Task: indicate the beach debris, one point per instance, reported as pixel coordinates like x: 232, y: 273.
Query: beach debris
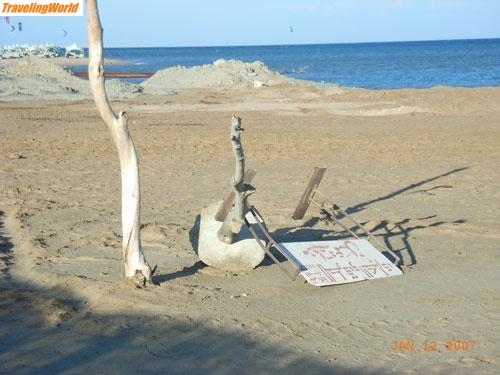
x: 258, y: 84
x: 134, y: 260
x: 236, y: 296
x: 338, y: 262
x: 258, y: 229
x: 234, y: 220
x: 230, y: 246
x: 73, y: 51
x: 324, y: 263
x: 242, y: 255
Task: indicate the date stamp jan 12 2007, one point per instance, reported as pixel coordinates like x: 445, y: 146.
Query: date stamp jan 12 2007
x: 431, y: 346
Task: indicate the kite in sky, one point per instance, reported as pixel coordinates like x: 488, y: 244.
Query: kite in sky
x: 12, y: 27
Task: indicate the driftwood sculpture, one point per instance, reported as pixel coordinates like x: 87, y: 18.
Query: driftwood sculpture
x: 235, y: 219
x: 224, y: 241
x: 133, y: 256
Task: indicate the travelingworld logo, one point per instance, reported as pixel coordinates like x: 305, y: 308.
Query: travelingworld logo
x: 41, y: 8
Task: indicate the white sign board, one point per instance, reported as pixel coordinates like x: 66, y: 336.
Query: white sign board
x: 340, y: 262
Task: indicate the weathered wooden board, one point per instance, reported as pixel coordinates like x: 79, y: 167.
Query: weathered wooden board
x: 313, y: 184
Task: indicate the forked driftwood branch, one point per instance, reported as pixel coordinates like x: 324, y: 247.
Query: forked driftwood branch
x: 235, y: 219
x: 133, y: 256
x: 230, y: 198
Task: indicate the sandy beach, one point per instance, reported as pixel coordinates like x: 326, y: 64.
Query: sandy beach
x: 419, y: 167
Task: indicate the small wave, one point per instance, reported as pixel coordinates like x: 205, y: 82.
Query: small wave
x: 139, y: 63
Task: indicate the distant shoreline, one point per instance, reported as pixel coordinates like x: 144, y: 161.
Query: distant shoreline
x: 64, y: 61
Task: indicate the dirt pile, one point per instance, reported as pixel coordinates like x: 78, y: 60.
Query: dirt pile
x: 38, y: 78
x: 221, y: 73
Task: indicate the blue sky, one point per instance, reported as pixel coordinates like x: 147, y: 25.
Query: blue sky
x: 231, y: 22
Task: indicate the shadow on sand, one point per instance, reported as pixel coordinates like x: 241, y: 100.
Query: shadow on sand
x: 391, y: 233
x: 79, y: 341
x: 5, y: 249
x: 50, y: 331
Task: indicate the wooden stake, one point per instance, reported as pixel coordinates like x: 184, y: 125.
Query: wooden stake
x: 312, y: 185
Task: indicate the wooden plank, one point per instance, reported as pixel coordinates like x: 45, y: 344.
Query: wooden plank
x: 229, y: 200
x: 312, y: 185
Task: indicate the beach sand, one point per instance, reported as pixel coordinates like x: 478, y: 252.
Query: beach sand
x: 420, y: 167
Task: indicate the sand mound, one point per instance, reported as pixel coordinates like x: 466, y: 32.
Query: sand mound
x: 33, y: 66
x: 221, y: 73
x: 38, y: 78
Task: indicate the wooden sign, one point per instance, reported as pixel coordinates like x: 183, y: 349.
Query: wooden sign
x: 340, y: 262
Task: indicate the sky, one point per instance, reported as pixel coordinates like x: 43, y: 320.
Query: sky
x: 176, y: 23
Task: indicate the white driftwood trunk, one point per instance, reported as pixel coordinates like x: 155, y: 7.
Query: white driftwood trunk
x: 133, y: 256
x: 234, y: 220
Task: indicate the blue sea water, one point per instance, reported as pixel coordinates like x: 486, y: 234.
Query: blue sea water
x: 466, y: 63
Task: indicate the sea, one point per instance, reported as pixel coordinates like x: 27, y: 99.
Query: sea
x: 392, y: 65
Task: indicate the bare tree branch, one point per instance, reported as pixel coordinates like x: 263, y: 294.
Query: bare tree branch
x: 234, y: 221
x: 133, y: 256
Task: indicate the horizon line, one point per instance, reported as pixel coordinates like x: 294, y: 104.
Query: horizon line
x: 314, y: 44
